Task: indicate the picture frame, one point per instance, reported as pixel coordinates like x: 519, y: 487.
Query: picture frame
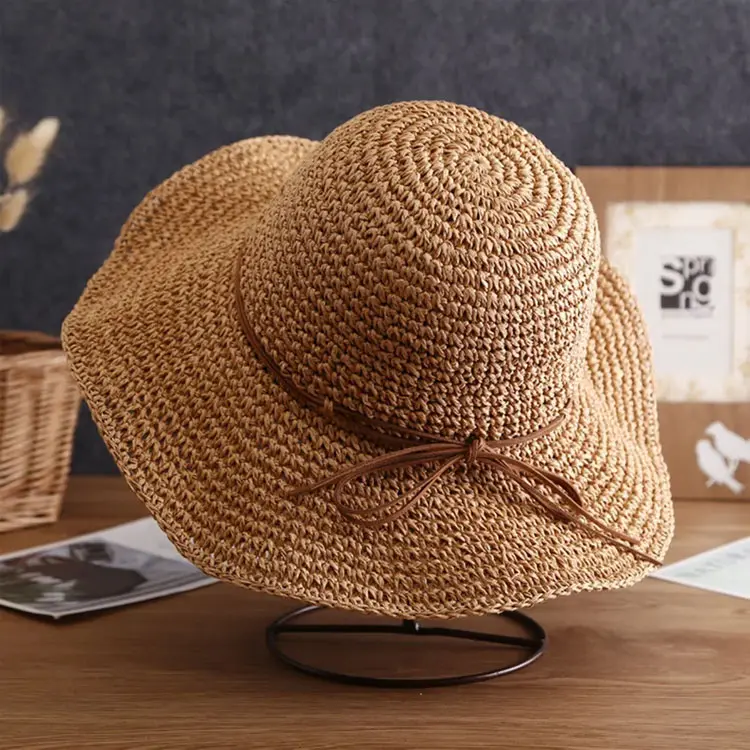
x: 681, y: 238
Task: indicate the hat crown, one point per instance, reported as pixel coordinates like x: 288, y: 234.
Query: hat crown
x: 430, y: 265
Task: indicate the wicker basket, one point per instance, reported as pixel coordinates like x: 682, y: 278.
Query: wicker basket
x: 39, y: 406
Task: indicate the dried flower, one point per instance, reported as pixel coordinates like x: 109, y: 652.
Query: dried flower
x: 23, y: 161
x: 12, y: 207
x: 43, y: 134
x: 28, y: 152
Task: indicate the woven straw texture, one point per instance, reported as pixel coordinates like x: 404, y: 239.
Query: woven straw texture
x: 427, y: 264
x: 39, y: 404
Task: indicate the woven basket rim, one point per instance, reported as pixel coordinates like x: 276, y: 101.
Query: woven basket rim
x: 23, y: 347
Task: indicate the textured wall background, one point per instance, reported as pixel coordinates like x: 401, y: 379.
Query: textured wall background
x: 143, y: 87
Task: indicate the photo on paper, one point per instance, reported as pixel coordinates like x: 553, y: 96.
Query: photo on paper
x: 122, y: 565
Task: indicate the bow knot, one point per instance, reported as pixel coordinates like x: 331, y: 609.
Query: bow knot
x: 474, y: 446
x: 539, y: 484
x: 550, y: 490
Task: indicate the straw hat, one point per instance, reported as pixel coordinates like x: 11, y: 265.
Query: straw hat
x: 386, y: 372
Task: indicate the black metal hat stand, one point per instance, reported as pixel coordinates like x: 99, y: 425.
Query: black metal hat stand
x: 531, y: 646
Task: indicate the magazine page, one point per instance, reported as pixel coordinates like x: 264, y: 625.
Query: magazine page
x: 110, y: 568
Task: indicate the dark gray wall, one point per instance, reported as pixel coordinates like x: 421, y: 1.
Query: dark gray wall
x: 143, y: 86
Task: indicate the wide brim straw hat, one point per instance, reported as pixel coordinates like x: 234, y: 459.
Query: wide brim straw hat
x: 387, y: 372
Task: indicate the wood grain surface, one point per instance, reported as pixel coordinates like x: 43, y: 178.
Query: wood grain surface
x: 653, y: 667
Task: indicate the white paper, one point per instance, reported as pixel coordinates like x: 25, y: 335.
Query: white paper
x: 121, y: 565
x: 725, y: 570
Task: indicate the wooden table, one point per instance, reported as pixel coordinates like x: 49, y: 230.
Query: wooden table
x: 657, y: 666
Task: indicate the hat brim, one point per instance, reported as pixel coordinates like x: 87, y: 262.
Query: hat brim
x: 209, y: 442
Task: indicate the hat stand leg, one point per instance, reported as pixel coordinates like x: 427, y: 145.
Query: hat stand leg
x: 532, y: 646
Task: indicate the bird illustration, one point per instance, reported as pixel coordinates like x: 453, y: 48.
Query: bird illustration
x: 713, y: 465
x: 731, y: 445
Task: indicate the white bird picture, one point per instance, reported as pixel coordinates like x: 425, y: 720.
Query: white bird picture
x: 715, y: 467
x: 731, y: 445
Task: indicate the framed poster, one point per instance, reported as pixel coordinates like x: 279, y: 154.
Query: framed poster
x: 689, y: 266
x: 681, y: 236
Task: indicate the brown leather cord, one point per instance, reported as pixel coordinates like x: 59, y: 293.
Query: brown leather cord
x: 411, y: 448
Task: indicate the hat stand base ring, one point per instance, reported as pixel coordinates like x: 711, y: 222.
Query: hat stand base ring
x: 532, y: 644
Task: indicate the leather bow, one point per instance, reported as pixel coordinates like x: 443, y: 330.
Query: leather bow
x: 415, y: 448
